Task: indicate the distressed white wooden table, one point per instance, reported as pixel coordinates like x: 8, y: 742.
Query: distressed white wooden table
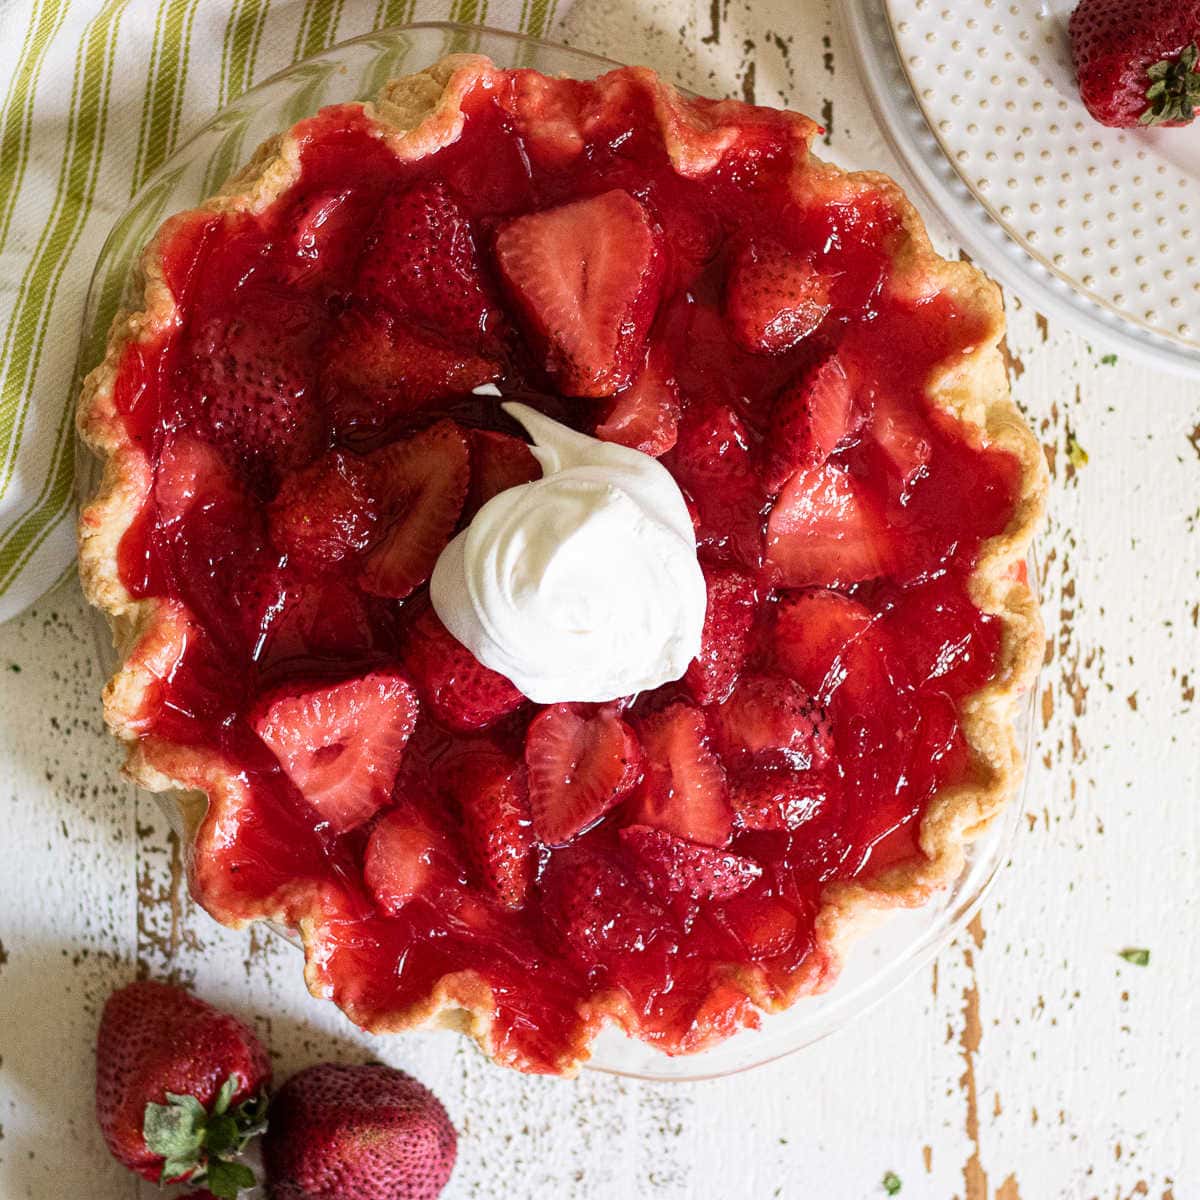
x: 1030, y: 1061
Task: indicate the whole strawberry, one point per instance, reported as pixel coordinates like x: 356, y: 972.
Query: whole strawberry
x: 179, y: 1087
x: 357, y: 1133
x: 1136, y: 60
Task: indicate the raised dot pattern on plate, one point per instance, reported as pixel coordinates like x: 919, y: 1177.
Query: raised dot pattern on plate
x: 1111, y: 212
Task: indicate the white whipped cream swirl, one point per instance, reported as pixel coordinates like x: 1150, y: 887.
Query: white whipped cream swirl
x: 583, y: 585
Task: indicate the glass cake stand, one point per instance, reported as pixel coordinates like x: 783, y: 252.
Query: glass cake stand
x: 881, y: 960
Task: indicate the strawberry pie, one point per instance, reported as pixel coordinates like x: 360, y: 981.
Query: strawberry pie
x: 566, y: 546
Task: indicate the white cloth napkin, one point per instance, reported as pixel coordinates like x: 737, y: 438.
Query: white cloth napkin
x: 96, y: 94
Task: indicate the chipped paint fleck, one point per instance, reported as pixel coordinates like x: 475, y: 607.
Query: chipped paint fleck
x: 1008, y: 1189
x: 1013, y: 363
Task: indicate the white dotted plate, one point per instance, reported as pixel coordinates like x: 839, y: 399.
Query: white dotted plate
x: 981, y: 103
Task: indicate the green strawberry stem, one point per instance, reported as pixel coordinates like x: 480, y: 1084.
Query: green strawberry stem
x: 1174, y: 91
x: 200, y: 1146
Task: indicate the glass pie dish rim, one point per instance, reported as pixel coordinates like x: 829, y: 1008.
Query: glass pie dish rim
x: 809, y: 1019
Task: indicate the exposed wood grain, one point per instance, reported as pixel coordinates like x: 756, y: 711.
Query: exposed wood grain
x: 1033, y: 1055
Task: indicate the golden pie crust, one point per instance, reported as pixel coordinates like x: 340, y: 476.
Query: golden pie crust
x: 415, y: 116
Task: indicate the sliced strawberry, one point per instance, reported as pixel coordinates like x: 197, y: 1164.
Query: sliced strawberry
x: 587, y: 278
x: 548, y: 115
x: 403, y: 859
x: 941, y: 635
x: 771, y: 718
x: 498, y: 462
x: 724, y: 1011
x: 809, y: 633
x: 715, y: 369
x: 693, y: 233
x: 764, y: 926
x: 419, y: 260
x: 713, y: 462
x: 379, y: 369
x: 213, y: 539
x: 454, y: 686
x: 254, y: 373
x: 420, y: 485
x: 827, y: 528
x: 325, y: 512
x: 192, y: 481
x: 668, y: 866
x: 713, y: 446
x: 767, y: 798
x: 683, y: 790
x: 774, y: 297
x: 293, y: 617
x: 493, y: 794
x: 869, y: 668
x: 645, y: 416
x: 940, y: 748
x: 904, y: 438
x: 811, y: 416
x: 871, y: 704
x: 732, y: 605
x: 598, y: 909
x: 341, y: 744
x: 579, y: 768
x: 323, y: 228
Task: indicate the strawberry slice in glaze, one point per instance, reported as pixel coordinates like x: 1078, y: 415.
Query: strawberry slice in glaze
x: 325, y: 512
x: 493, y: 794
x: 454, y: 685
x: 827, y: 528
x: 774, y: 297
x: 580, y: 767
x: 809, y: 419
x: 683, y: 790
x: 378, y: 369
x: 341, y: 744
x: 293, y: 616
x: 598, y: 909
x: 809, y: 635
x: 724, y: 641
x: 764, y: 926
x: 645, y: 416
x: 323, y: 230
x: 668, y: 866
x: 253, y: 374
x: 772, y: 798
x: 420, y: 485
x: 405, y: 858
x: 420, y: 261
x: 903, y: 438
x: 770, y: 718
x: 196, y: 489
x: 714, y: 463
x: 211, y: 533
x: 586, y: 278
x: 498, y: 462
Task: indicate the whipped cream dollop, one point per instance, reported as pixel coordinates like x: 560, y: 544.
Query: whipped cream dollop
x: 580, y: 586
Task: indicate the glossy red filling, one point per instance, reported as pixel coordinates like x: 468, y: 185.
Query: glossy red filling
x: 262, y: 622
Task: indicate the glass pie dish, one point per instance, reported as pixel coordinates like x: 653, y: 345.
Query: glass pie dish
x: 355, y: 70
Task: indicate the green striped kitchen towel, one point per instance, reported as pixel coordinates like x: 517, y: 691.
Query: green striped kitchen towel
x: 96, y: 94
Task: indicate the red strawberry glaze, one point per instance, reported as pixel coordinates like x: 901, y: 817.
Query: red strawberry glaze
x: 261, y: 621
